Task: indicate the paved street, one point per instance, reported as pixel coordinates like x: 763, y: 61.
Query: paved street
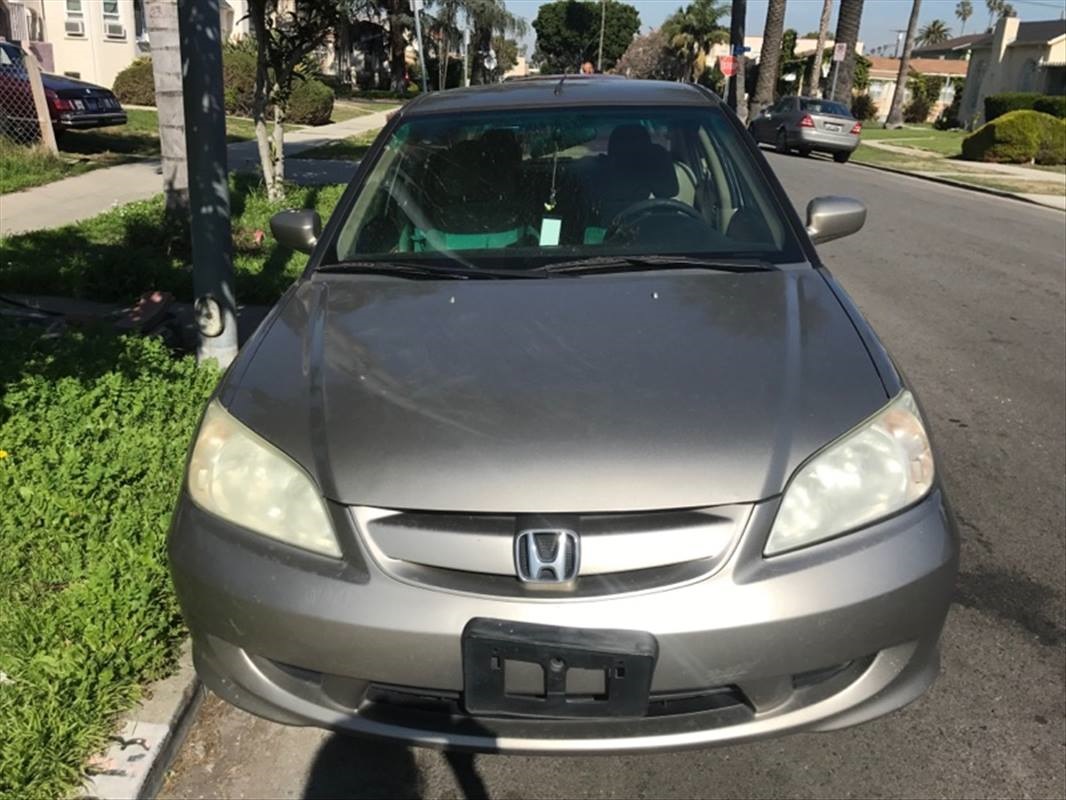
x: 968, y: 292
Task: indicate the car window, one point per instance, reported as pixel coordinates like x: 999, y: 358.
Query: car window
x: 782, y: 106
x: 520, y: 188
x: 10, y: 58
x: 824, y: 107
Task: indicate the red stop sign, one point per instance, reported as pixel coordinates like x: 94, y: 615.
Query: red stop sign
x: 728, y: 65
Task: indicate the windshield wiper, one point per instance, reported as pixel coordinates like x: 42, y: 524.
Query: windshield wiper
x: 605, y: 264
x: 415, y: 271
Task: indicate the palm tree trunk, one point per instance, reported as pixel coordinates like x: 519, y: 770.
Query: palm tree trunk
x: 847, y: 33
x: 814, y: 80
x: 397, y: 46
x: 768, y: 58
x: 162, y: 18
x: 895, y: 114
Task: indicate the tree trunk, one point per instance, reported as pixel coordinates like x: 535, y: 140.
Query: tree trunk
x: 267, y: 149
x: 397, y: 47
x: 162, y: 19
x: 278, y: 151
x: 848, y: 23
x: 814, y: 80
x: 895, y: 114
x: 769, y: 58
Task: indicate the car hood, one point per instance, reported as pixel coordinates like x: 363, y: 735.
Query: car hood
x: 607, y: 393
x: 61, y: 83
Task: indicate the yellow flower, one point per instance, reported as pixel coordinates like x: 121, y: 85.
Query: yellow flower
x: 3, y: 454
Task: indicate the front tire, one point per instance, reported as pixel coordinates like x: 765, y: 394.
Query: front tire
x: 841, y: 158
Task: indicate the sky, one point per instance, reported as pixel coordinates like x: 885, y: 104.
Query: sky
x: 879, y: 17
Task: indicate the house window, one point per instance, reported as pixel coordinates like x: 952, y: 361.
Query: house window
x: 74, y: 25
x: 113, y: 27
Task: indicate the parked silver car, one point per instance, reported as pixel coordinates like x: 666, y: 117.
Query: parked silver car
x: 565, y: 441
x: 808, y: 124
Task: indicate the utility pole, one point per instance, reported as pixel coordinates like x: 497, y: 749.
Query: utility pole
x: 603, y: 25
x: 466, y: 56
x: 735, y: 91
x: 205, y: 145
x: 416, y: 6
x: 899, y: 39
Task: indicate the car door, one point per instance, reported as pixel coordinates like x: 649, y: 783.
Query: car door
x: 761, y: 126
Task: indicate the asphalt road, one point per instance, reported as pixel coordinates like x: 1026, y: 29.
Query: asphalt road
x: 968, y: 292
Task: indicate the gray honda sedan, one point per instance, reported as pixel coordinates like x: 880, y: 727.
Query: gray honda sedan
x: 808, y: 124
x: 565, y: 441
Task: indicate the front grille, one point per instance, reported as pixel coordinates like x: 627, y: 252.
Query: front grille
x: 618, y: 552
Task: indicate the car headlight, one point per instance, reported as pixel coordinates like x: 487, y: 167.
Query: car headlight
x: 242, y: 478
x: 877, y: 469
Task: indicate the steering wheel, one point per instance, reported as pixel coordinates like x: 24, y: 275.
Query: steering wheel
x: 628, y: 217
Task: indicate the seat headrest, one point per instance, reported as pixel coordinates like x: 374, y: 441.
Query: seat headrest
x: 628, y: 142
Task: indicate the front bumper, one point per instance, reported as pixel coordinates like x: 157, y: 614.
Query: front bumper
x: 822, y: 638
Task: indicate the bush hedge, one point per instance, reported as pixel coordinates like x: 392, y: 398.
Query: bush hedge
x: 1018, y: 137
x: 311, y: 102
x: 996, y: 105
x: 863, y: 107
x: 135, y: 84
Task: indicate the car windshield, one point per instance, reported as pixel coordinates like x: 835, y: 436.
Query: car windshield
x: 824, y: 107
x: 523, y: 189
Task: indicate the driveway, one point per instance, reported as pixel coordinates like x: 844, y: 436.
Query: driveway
x: 968, y: 292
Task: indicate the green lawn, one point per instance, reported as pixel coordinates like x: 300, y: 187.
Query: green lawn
x: 348, y: 109
x: 351, y: 149
x: 81, y: 151
x: 131, y: 249
x: 93, y: 431
x: 919, y: 137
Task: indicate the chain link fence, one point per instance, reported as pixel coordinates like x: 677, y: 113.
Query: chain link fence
x: 24, y: 115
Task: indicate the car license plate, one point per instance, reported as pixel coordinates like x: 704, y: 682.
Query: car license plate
x: 527, y: 670
x: 830, y: 126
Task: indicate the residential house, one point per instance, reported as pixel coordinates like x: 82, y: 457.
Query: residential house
x: 1016, y: 57
x: 885, y: 71
x: 93, y: 40
x: 957, y: 49
x: 804, y: 47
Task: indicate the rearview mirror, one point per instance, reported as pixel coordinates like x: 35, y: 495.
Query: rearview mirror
x: 297, y: 229
x: 831, y: 218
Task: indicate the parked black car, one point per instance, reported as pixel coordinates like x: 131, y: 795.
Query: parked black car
x: 72, y: 104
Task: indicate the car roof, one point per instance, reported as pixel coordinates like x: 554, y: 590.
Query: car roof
x: 556, y: 91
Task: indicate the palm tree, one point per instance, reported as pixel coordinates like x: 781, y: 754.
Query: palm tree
x: 815, y: 78
x: 162, y: 16
x: 488, y: 18
x: 963, y: 10
x: 848, y: 21
x: 934, y: 32
x: 995, y: 8
x: 895, y: 114
x: 691, y: 31
x: 768, y: 58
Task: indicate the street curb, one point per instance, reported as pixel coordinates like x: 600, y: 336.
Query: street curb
x: 148, y: 738
x: 957, y: 184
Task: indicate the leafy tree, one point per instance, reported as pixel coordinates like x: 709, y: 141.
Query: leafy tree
x: 998, y: 9
x: 964, y: 10
x: 769, y: 58
x: 506, y: 53
x: 284, y: 38
x: 650, y: 57
x: 933, y: 32
x: 568, y: 33
x: 692, y: 31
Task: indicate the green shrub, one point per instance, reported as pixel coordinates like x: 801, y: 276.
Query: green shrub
x: 924, y: 89
x: 311, y: 102
x: 135, y: 85
x: 93, y: 432
x: 863, y: 107
x: 1052, y: 151
x: 996, y: 105
x: 1017, y: 137
x: 1051, y: 104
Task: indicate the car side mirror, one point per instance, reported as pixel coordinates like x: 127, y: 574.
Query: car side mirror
x: 297, y: 229
x: 830, y: 218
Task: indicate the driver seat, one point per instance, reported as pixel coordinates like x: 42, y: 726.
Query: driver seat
x: 634, y: 169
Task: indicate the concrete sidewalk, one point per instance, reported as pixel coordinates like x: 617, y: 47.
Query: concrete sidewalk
x: 977, y: 167
x: 73, y: 199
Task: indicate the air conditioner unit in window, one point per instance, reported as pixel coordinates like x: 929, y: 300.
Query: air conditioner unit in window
x: 114, y: 30
x: 74, y: 27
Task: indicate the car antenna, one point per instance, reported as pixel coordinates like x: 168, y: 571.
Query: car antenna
x: 559, y: 85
